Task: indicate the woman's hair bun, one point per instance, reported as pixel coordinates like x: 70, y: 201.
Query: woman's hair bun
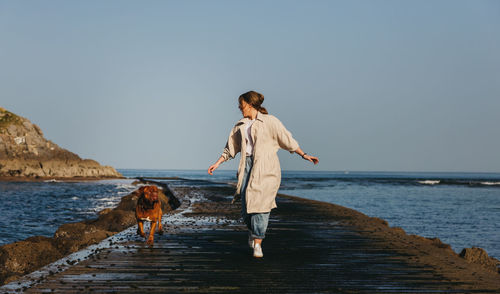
x: 255, y: 99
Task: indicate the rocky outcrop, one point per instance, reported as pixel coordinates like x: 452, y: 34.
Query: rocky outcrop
x: 479, y: 256
x: 24, y: 152
x: 26, y: 256
x: 23, y: 257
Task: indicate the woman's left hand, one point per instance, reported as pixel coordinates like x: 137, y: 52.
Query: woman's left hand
x: 312, y: 159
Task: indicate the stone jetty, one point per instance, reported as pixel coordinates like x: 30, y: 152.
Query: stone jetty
x: 311, y: 247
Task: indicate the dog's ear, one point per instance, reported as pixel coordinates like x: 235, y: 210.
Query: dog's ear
x: 141, y: 191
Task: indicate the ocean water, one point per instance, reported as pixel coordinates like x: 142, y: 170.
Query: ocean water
x: 462, y: 209
x: 39, y: 208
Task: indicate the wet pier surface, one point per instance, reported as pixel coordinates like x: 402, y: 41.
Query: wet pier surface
x: 204, y: 250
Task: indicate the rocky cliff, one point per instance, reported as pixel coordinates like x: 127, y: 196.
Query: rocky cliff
x: 24, y: 152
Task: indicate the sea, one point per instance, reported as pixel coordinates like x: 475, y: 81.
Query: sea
x: 461, y: 209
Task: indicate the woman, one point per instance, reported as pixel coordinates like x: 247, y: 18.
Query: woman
x: 258, y: 136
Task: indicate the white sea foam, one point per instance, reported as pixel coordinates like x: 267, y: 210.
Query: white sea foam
x: 490, y: 183
x: 51, y: 181
x: 108, y: 199
x: 430, y: 182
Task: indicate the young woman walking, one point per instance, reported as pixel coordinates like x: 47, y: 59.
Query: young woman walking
x: 258, y: 136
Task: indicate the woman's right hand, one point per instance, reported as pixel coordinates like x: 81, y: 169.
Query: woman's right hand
x: 312, y: 159
x: 212, y: 168
x: 215, y: 165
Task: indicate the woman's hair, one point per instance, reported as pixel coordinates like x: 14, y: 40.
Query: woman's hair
x: 254, y: 99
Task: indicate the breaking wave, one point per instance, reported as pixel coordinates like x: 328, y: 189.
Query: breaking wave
x: 490, y: 183
x: 430, y: 182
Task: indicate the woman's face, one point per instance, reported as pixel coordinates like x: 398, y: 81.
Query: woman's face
x: 245, y: 109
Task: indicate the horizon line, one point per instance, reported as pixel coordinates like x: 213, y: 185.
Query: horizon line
x: 332, y: 171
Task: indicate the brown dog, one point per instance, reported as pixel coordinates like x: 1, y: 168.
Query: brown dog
x: 148, y: 208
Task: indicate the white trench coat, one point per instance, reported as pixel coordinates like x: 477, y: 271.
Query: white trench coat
x: 268, y: 134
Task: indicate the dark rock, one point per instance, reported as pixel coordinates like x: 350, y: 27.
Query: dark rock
x: 25, y: 256
x: 438, y: 243
x: 398, y: 230
x: 9, y: 279
x: 479, y: 256
x: 115, y: 221
x: 72, y: 237
x: 379, y: 221
x: 128, y: 202
x: 105, y: 211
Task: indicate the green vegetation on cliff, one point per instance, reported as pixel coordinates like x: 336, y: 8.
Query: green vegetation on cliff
x: 7, y: 118
x: 24, y: 152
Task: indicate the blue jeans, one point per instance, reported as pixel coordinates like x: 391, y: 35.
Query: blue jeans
x: 256, y: 222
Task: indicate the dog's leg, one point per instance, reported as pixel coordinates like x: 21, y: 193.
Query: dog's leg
x: 151, y: 234
x: 140, y: 229
x: 160, y: 226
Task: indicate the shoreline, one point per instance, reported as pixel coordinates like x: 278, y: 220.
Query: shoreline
x: 412, y: 249
x: 58, y: 179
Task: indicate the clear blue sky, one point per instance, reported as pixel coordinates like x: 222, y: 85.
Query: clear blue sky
x: 364, y: 85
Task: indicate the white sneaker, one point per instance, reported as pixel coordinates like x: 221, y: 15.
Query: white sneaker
x: 250, y: 240
x: 257, y: 251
